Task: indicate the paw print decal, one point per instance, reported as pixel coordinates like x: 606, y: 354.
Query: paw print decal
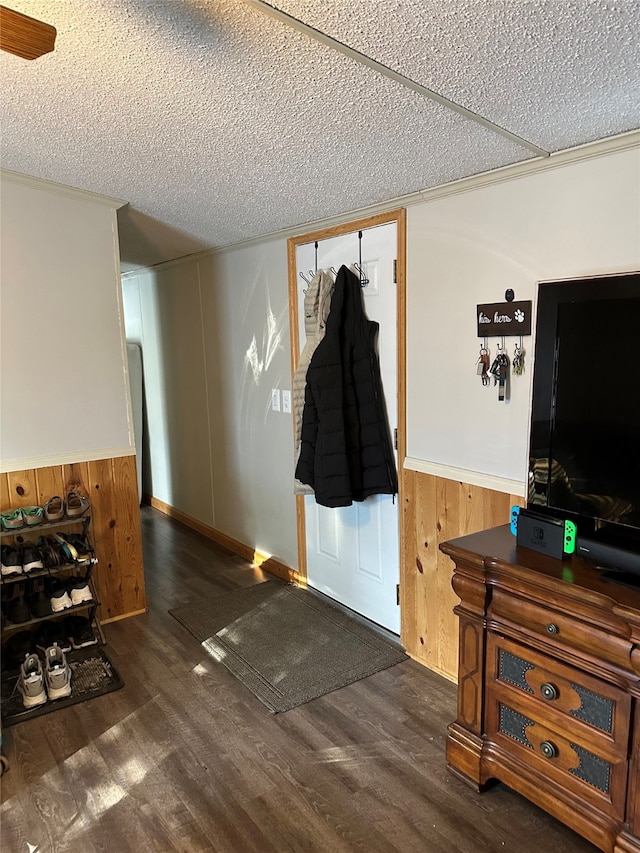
x: 519, y: 315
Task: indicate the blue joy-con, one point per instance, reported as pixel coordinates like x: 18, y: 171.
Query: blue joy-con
x: 515, y: 512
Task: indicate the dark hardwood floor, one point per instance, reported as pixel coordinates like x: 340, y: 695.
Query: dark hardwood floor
x: 185, y: 758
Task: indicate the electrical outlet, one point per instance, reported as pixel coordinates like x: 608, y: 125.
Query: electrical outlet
x: 275, y: 399
x: 286, y: 402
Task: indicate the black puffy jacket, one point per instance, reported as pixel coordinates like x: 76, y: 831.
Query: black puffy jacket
x: 346, y: 452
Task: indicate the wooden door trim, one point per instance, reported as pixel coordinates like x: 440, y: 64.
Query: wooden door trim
x: 398, y: 216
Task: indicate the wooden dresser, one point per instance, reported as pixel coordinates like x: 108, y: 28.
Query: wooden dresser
x: 548, y: 685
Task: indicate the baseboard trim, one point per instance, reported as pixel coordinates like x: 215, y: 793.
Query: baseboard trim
x: 252, y: 555
x: 124, y: 616
x: 436, y: 669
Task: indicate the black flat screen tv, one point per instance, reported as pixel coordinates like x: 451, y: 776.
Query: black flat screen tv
x: 585, y: 427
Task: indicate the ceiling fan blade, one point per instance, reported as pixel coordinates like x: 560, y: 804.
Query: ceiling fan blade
x: 25, y: 36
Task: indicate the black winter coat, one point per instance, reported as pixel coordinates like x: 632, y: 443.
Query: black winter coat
x: 346, y: 452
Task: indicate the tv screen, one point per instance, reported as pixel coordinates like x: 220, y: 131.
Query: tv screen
x: 585, y: 431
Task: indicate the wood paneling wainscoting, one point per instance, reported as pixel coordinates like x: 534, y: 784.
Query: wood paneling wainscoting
x: 111, y: 486
x: 435, y: 510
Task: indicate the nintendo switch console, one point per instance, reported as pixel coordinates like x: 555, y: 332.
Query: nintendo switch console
x: 550, y: 536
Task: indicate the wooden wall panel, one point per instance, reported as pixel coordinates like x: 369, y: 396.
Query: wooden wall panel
x: 435, y: 510
x: 50, y: 483
x: 111, y: 486
x: 23, y: 489
x: 128, y: 554
x: 5, y: 496
x: 104, y: 519
x: 76, y: 478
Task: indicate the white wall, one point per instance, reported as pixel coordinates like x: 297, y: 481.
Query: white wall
x: 215, y: 341
x: 466, y: 249
x: 63, y: 394
x: 222, y: 456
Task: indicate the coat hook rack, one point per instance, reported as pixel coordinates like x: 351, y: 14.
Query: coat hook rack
x: 364, y: 281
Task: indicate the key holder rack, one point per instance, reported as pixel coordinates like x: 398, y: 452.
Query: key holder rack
x: 500, y: 320
x: 504, y: 319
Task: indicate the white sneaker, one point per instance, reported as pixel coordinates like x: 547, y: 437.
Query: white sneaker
x: 31, y: 682
x: 78, y: 590
x: 57, y: 673
x: 11, y: 560
x: 58, y: 595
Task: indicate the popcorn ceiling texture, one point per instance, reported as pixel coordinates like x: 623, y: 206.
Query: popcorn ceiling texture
x: 555, y: 72
x: 219, y: 124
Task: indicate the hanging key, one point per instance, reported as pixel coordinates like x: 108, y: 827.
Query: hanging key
x: 482, y: 365
x: 503, y: 374
x: 495, y: 368
x: 518, y: 361
x: 500, y: 371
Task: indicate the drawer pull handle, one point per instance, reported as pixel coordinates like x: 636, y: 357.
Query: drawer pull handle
x: 552, y: 629
x: 549, y: 691
x: 548, y: 749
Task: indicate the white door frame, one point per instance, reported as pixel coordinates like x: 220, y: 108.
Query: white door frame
x: 399, y: 217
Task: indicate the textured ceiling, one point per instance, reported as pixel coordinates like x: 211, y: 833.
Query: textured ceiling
x: 219, y: 123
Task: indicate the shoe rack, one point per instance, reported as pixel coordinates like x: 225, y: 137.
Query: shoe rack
x: 64, y: 571
x: 67, y: 569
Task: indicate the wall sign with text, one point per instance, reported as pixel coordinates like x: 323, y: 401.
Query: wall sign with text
x: 504, y: 318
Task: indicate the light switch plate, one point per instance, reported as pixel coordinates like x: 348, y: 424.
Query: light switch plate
x: 275, y: 399
x: 286, y: 402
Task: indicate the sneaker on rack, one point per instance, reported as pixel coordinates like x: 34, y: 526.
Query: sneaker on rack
x: 31, y: 682
x: 51, y: 633
x: 31, y: 557
x: 78, y: 589
x: 58, y: 595
x: 11, y: 561
x: 32, y: 515
x: 16, y: 606
x: 12, y: 520
x: 39, y: 601
x: 80, y: 632
x: 57, y: 673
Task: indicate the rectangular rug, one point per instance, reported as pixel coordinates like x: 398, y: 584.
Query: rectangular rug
x: 286, y: 644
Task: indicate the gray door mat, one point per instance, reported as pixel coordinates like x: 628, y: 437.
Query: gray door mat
x: 286, y: 644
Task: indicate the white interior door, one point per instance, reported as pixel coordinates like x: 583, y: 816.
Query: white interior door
x: 353, y: 552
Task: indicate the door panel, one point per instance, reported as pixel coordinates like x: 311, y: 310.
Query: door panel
x: 353, y: 552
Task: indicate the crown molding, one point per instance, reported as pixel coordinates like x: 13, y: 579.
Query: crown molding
x: 534, y: 166
x: 566, y: 157
x: 60, y: 189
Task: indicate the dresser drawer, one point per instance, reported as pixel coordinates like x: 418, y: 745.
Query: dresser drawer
x: 592, y: 712
x: 559, y: 630
x: 558, y: 760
